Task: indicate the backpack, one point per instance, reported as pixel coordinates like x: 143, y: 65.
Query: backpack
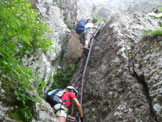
x: 54, y: 97
x: 81, y: 26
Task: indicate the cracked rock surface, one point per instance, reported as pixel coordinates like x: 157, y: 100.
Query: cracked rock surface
x: 111, y: 93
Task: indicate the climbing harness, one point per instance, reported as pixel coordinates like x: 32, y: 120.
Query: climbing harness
x: 59, y: 107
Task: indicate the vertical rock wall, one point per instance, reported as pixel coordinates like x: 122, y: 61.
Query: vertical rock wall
x: 84, y: 9
x: 54, y: 13
x: 74, y: 10
x: 116, y: 90
x: 45, y: 63
x: 69, y: 10
x: 106, y: 8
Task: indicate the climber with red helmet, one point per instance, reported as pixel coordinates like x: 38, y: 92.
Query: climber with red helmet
x: 61, y: 100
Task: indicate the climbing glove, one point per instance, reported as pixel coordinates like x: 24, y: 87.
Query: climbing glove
x: 81, y: 119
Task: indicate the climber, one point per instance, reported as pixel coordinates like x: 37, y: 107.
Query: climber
x: 88, y: 32
x: 155, y: 10
x: 155, y: 13
x: 61, y: 110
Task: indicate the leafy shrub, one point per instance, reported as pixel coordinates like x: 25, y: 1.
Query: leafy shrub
x: 22, y: 31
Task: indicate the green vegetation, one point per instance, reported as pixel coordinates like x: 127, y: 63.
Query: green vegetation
x: 151, y: 34
x: 69, y: 25
x: 159, y: 9
x: 97, y: 19
x: 60, y: 5
x: 22, y: 32
x: 63, y: 76
x: 156, y: 32
x: 107, y: 19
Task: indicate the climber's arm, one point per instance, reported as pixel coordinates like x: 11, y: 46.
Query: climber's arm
x: 95, y: 27
x: 78, y: 106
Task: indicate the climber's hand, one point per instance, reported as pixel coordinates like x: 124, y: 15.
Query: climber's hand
x: 71, y: 118
x: 81, y: 119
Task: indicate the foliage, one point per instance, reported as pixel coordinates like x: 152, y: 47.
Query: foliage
x: 21, y: 32
x: 62, y: 77
x: 159, y: 9
x: 61, y: 5
x: 97, y: 19
x: 16, y: 116
x: 156, y: 33
x: 107, y: 19
x: 69, y: 25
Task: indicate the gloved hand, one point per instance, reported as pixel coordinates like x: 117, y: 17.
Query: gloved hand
x: 81, y: 119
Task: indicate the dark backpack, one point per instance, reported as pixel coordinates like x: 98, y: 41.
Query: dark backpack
x: 54, y: 97
x: 81, y: 26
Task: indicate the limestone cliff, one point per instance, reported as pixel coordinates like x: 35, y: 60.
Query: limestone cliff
x: 106, y: 8
x: 57, y: 16
x: 45, y: 64
x: 123, y: 81
x: 74, y: 10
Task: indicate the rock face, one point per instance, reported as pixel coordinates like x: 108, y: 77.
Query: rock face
x: 119, y: 93
x: 54, y: 14
x: 73, y: 49
x: 85, y: 9
x: 106, y: 8
x: 147, y: 60
x: 68, y: 9
x: 123, y: 82
x: 74, y: 10
x: 44, y: 63
x: 44, y: 113
x: 3, y: 115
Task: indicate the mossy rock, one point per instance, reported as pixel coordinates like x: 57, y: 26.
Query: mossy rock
x: 9, y: 92
x: 15, y: 116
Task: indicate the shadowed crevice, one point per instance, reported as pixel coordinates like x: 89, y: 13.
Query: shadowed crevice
x: 141, y: 80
